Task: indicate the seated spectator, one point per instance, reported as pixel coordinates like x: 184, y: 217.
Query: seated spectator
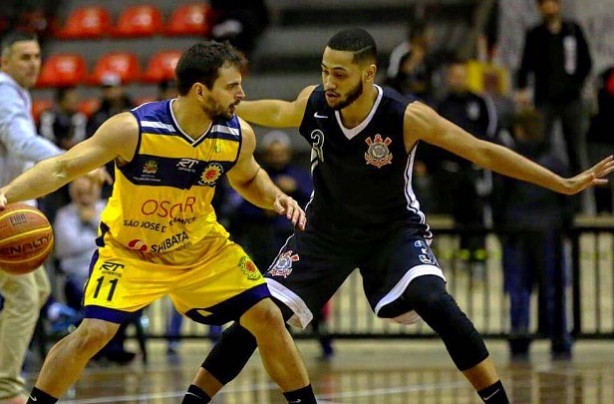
x: 76, y: 228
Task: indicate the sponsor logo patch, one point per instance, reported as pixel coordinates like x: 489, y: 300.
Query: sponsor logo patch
x: 211, y: 174
x: 249, y: 268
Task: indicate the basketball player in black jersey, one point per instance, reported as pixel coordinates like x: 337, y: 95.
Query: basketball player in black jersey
x: 364, y: 213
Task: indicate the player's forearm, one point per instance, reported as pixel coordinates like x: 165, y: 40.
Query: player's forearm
x: 507, y: 162
x: 262, y: 112
x: 260, y: 191
x: 44, y: 178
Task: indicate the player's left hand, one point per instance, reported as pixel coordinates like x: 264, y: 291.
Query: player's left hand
x: 285, y: 205
x: 594, y: 176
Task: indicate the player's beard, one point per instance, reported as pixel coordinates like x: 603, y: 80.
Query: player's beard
x: 215, y: 110
x: 352, y: 96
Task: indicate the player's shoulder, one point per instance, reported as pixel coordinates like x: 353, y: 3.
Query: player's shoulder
x: 393, y: 100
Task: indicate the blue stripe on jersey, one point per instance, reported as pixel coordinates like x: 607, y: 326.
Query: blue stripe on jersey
x: 170, y: 172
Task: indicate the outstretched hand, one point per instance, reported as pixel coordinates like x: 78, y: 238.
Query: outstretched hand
x: 594, y: 176
x: 285, y: 205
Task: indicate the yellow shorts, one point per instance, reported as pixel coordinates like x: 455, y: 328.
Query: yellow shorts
x: 217, y: 288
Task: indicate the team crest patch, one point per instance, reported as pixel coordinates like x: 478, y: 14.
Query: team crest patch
x: 211, y: 174
x: 150, y: 167
x: 378, y: 154
x: 283, y: 264
x: 249, y: 269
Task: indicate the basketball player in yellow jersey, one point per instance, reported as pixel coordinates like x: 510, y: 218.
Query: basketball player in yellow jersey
x: 159, y: 234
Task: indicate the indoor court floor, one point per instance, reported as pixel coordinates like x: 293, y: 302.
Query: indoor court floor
x: 378, y: 371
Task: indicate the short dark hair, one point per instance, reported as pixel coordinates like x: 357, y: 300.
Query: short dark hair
x: 9, y: 39
x: 61, y: 92
x: 355, y: 40
x: 201, y: 64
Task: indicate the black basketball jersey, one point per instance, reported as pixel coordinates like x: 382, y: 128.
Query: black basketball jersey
x: 362, y: 176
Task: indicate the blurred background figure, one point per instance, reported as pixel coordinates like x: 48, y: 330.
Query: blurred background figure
x: 600, y: 136
x: 457, y: 179
x: 411, y: 65
x: 65, y: 126
x: 76, y: 230
x: 535, y: 255
x: 241, y: 22
x: 557, y: 55
x: 262, y: 232
x: 113, y: 101
x: 167, y: 89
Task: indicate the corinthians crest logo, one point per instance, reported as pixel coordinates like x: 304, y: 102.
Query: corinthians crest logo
x: 211, y: 174
x: 283, y: 264
x: 378, y: 154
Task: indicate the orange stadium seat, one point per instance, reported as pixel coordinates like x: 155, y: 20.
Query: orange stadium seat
x: 123, y: 64
x: 190, y: 19
x: 86, y: 22
x: 38, y: 106
x: 161, y: 66
x: 139, y: 21
x: 63, y: 70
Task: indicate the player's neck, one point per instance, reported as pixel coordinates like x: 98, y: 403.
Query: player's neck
x: 357, y: 112
x: 190, y: 117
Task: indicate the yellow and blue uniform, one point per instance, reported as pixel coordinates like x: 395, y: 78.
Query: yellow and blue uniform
x: 159, y: 232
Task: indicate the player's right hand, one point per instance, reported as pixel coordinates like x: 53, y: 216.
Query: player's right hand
x: 285, y: 205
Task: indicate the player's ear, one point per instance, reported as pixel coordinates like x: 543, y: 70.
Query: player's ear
x: 198, y: 89
x: 370, y: 73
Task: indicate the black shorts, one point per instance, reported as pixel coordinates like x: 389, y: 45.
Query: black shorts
x: 311, y: 266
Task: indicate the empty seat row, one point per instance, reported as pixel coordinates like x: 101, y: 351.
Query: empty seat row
x: 70, y: 69
x: 88, y: 22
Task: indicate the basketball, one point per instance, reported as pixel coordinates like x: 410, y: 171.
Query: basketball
x: 26, y: 238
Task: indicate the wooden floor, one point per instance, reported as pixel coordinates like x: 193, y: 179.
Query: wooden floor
x: 382, y: 372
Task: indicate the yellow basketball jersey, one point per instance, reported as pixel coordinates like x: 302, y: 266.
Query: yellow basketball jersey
x: 161, y: 201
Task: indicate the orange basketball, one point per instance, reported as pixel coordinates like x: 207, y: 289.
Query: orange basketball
x: 26, y: 238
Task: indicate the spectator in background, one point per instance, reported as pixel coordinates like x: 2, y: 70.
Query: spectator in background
x: 458, y: 179
x: 113, y: 101
x: 239, y: 21
x: 65, y: 126
x: 556, y: 53
x: 257, y: 230
x: 533, y: 254
x: 600, y: 135
x: 76, y: 229
x: 20, y: 147
x: 167, y: 89
x: 260, y: 232
x: 411, y: 66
